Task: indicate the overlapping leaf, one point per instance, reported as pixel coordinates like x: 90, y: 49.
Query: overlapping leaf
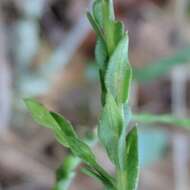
x: 110, y: 127
x: 119, y: 72
x: 132, y: 160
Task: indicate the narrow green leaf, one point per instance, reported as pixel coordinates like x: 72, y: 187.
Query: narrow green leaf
x: 127, y: 178
x: 96, y: 27
x: 48, y: 119
x: 101, y: 53
x: 147, y: 118
x: 40, y: 114
x: 108, y: 25
x: 119, y: 72
x: 98, y: 12
x: 132, y: 161
x: 103, y: 12
x: 122, y: 139
x: 110, y: 127
x: 119, y: 31
x: 62, y: 129
x: 108, y: 9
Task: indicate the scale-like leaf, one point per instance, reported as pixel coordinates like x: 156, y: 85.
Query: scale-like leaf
x: 119, y: 72
x: 122, y: 139
x: 96, y: 27
x: 119, y: 31
x: 103, y: 15
x: 98, y: 12
x: 110, y: 127
x: 108, y: 24
x: 108, y: 9
x: 132, y: 161
x: 127, y: 177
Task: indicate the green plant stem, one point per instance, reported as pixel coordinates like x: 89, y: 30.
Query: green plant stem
x: 121, y: 180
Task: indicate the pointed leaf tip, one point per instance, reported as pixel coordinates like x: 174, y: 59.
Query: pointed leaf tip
x: 39, y: 113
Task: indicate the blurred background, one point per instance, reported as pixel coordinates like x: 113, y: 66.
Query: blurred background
x: 47, y: 51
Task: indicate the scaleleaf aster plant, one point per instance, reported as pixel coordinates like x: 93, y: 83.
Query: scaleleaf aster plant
x: 115, y: 78
x: 119, y: 140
